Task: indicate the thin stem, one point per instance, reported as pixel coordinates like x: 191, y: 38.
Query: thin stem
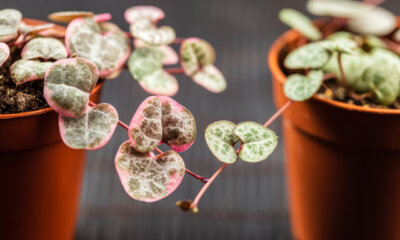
x: 198, y: 177
x: 158, y: 151
x: 175, y: 70
x: 278, y: 113
x: 342, y: 75
x: 193, y: 206
x: 178, y: 40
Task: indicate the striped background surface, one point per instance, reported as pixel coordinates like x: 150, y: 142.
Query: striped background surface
x: 248, y: 201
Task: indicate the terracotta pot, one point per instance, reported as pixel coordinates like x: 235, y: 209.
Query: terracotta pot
x: 40, y: 178
x: 342, y: 162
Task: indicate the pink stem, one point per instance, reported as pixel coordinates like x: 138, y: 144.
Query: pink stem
x: 198, y: 177
x: 102, y: 17
x: 175, y: 70
x: 342, y: 75
x: 278, y: 113
x: 178, y: 40
x: 193, y: 206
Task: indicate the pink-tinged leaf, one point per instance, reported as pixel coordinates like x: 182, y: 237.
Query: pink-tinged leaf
x: 170, y: 56
x: 145, y: 30
x: 148, y: 178
x: 210, y: 78
x: 8, y: 38
x: 195, y: 54
x: 106, y: 27
x: 34, y: 29
x: 90, y: 131
x: 109, y: 52
x: 23, y: 71
x: 44, y: 48
x: 4, y: 53
x: 160, y: 119
x: 68, y: 84
x: 138, y: 12
x: 104, y: 17
x: 160, y: 82
x: 68, y: 16
x: 53, y: 32
x: 9, y: 21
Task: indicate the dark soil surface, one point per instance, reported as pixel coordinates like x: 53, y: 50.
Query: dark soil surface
x: 16, y: 99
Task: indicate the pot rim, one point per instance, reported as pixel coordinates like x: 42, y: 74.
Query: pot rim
x: 277, y: 73
x: 44, y: 110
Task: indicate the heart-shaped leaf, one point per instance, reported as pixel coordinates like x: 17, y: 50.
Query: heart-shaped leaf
x: 160, y: 83
x: 301, y: 23
x: 44, y: 48
x: 148, y: 178
x: 68, y: 84
x: 145, y: 65
x: 160, y: 119
x: 68, y: 16
x: 138, y: 12
x: 145, y: 61
x: 195, y: 54
x: 378, y: 22
x: 312, y: 55
x: 341, y: 9
x: 9, y: 21
x: 210, y: 78
x: 374, y: 42
x: 384, y: 80
x: 342, y: 45
x: 145, y: 30
x: 106, y: 27
x: 109, y: 52
x: 258, y: 141
x: 220, y: 140
x: 170, y: 56
x: 23, y: 71
x: 299, y: 88
x: 90, y: 131
x: 4, y: 53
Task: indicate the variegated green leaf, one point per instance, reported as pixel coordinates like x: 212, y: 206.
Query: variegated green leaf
x: 258, y: 141
x: 9, y: 21
x: 160, y: 82
x: 312, y: 55
x: 28, y: 70
x: 195, y: 54
x: 301, y: 23
x: 146, y: 30
x: 145, y: 61
x: 210, y: 78
x: 299, y: 87
x: 340, y: 45
x: 44, y: 48
x: 220, y: 140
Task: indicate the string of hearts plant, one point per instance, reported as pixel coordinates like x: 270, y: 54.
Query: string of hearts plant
x: 94, y: 48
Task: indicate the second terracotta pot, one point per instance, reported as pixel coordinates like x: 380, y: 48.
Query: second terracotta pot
x: 342, y: 162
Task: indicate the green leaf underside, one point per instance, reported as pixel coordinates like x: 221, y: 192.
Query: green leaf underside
x: 210, y: 78
x: 301, y: 23
x: 258, y: 142
x: 145, y: 61
x: 92, y: 129
x: 344, y: 9
x: 378, y: 22
x: 146, y: 178
x: 220, y: 140
x: 309, y: 56
x: 22, y: 70
x: 299, y: 87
